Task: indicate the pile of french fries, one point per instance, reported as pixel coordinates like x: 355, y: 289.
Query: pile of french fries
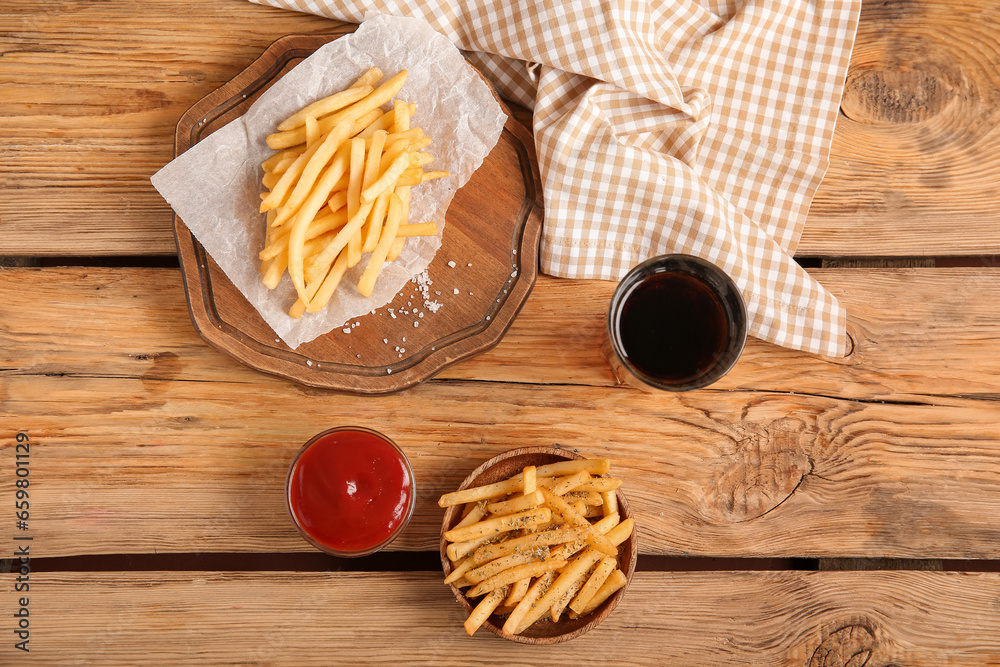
x: 539, y: 545
x: 340, y: 187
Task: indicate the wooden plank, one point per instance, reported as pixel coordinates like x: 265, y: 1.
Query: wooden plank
x: 918, y: 334
x: 89, y: 112
x: 915, y: 166
x: 773, y: 619
x: 90, y: 115
x: 122, y: 465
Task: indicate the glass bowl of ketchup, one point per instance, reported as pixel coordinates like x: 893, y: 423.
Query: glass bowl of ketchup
x: 350, y: 491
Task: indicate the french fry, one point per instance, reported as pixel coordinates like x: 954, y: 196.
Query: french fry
x: 460, y: 569
x: 494, y: 567
x: 518, y: 504
x: 621, y: 532
x: 476, y: 512
x: 417, y: 229
x: 485, y: 492
x: 536, y: 591
x: 597, y: 578
x: 483, y: 610
x: 386, y: 179
x: 571, y: 482
x: 312, y: 131
x: 613, y: 583
x: 609, y: 500
x: 325, y: 106
x: 517, y: 591
x: 496, y: 550
x: 459, y: 550
x: 569, y: 576
x: 528, y: 475
x: 367, y: 283
x: 514, y: 574
x: 499, y: 524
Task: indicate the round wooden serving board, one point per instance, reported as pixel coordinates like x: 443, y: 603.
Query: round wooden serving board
x: 481, y: 275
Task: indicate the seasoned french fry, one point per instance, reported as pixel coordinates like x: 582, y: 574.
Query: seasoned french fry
x: 499, y: 524
x: 483, y: 610
x: 496, y: 550
x: 556, y: 565
x: 459, y: 550
x: 621, y: 532
x: 494, y: 567
x: 528, y: 475
x: 460, y: 570
x: 609, y: 500
x: 585, y: 498
x: 537, y: 590
x: 561, y: 468
x: 518, y: 504
x: 476, y: 512
x: 569, y: 576
x: 597, y: 578
x: 611, y: 585
x: 517, y: 573
x: 486, y: 492
x: 571, y: 482
x: 517, y: 591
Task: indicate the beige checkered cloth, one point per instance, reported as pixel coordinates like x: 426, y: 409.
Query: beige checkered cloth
x: 696, y: 126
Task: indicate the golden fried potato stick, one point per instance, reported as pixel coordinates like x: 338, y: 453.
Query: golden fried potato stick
x: 537, y: 589
x: 272, y: 162
x: 569, y: 576
x: 483, y: 610
x: 514, y: 574
x: 325, y: 259
x: 325, y: 106
x: 516, y: 504
x: 367, y: 283
x: 597, y: 578
x: 611, y: 585
x: 355, y: 182
x: 499, y: 524
x: 312, y: 131
x: 517, y: 592
x: 374, y: 224
x: 488, y: 552
x: 495, y: 567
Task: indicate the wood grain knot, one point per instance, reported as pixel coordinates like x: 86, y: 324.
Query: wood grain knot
x: 766, y: 466
x: 849, y: 646
x: 895, y: 96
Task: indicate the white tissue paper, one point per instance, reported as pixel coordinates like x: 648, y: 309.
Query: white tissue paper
x: 215, y: 186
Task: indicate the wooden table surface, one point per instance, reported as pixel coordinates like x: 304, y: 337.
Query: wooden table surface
x: 803, y: 511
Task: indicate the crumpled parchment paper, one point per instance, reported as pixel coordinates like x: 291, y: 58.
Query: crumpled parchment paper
x: 215, y: 186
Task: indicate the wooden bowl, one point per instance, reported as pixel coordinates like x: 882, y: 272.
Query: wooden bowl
x: 543, y: 632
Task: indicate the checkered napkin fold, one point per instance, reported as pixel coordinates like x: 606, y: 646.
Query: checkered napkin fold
x: 694, y: 126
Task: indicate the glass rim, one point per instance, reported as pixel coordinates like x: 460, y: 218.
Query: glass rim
x: 326, y: 548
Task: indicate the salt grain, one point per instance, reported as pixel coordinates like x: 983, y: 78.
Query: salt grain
x: 452, y: 264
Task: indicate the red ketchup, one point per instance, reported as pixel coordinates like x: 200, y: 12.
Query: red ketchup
x: 350, y: 490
